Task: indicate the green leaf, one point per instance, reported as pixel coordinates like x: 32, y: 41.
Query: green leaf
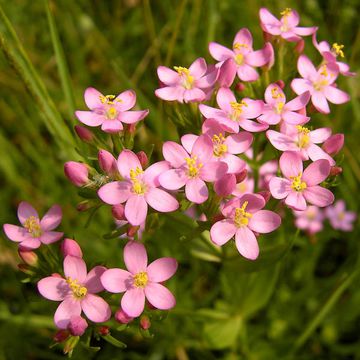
x: 110, y: 339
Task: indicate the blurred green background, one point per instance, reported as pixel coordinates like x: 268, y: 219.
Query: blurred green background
x: 305, y: 307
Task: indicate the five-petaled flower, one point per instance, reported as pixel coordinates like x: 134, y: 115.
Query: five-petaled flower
x: 339, y: 218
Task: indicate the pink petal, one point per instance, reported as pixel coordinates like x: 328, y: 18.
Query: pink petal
x: 136, y: 210
x: 133, y: 302
x: 171, y: 93
x: 53, y: 288
x: 25, y: 210
x: 305, y: 31
x: 52, y: 218
x: 318, y: 136
x: 300, y: 86
x: 161, y: 201
x: 168, y: 76
x: 152, y: 173
x: 187, y: 141
x: 269, y: 94
x: 279, y: 187
x: 253, y: 109
x: 116, y: 280
x: 318, y: 196
x: 194, y: 95
x: 247, y: 73
x: 270, y: 117
x: 244, y: 37
x: 203, y: 148
x: 128, y: 161
x: 292, y: 19
x: 226, y: 185
x: 239, y: 143
x: 174, y: 153
x: 30, y: 244
x: 196, y: 191
x: 213, y: 171
x: 90, y: 118
x: 111, y: 126
x: 198, y: 68
x: 306, y: 68
x: 173, y: 179
x: 115, y: 192
x: 224, y: 97
x: 227, y: 73
x: 234, y: 164
x: 210, y: 112
x: 95, y: 308
x: 208, y: 80
x: 219, y: 52
x: 258, y: 58
x: 132, y: 117
x: 50, y: 237
x: 75, y: 268
x: 159, y: 296
x: 281, y: 141
x: 269, y: 21
x: 222, y: 231
x: 296, y: 201
x: 246, y: 243
x: 92, y: 98
x: 293, y: 118
x: 68, y: 308
x: 299, y: 102
x: 317, y: 153
x: 127, y: 100
x: 252, y: 126
x: 264, y: 221
x: 319, y: 101
x: 255, y: 202
x: 135, y: 257
x: 16, y: 233
x: 161, y: 269
x: 93, y: 282
x: 335, y: 95
x: 291, y: 164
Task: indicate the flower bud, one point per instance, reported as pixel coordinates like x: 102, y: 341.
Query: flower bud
x: 265, y: 194
x: 240, y: 87
x: 77, y: 173
x: 270, y: 56
x: 118, y: 212
x: 280, y: 83
x: 71, y: 247
x: 25, y: 269
x: 28, y: 257
x: 107, y: 162
x: 142, y: 158
x: 226, y: 185
x: 84, y: 133
x: 77, y: 325
x: 240, y: 177
x: 145, y: 322
x: 122, y: 317
x: 61, y: 336
x: 335, y: 170
x: 83, y: 205
x: 103, y: 330
x: 299, y: 48
x: 334, y: 144
x: 227, y: 73
x: 132, y: 230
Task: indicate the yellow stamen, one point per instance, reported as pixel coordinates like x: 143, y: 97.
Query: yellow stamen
x: 239, y: 59
x: 141, y: 279
x: 237, y: 108
x: 323, y: 71
x: 219, y: 147
x: 111, y: 113
x: 276, y: 94
x: 297, y: 184
x: 238, y: 46
x: 185, y: 73
x: 279, y: 107
x: 109, y: 99
x: 193, y: 166
x: 138, y: 186
x: 337, y: 49
x: 77, y: 289
x: 33, y: 227
x: 303, y: 136
x: 241, y: 216
x: 286, y: 12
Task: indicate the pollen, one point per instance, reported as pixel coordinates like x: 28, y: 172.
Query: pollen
x: 188, y: 80
x: 77, y: 289
x: 286, y: 12
x: 324, y: 71
x: 297, y: 184
x: 109, y: 99
x: 141, y: 279
x: 237, y: 108
x: 279, y: 107
x: 337, y: 49
x: 275, y: 93
x: 239, y: 46
x: 239, y: 59
x: 303, y: 136
x: 111, y: 113
x: 241, y: 216
x: 219, y: 147
x: 33, y: 227
x: 193, y: 166
x: 138, y: 186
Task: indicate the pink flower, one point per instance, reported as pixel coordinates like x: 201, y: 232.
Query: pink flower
x: 71, y: 247
x: 234, y: 115
x: 242, y: 55
x: 138, y: 189
x: 246, y: 186
x: 243, y: 217
x: 330, y: 54
x: 141, y: 280
x: 333, y: 144
x: 76, y: 292
x: 266, y: 172
x: 35, y: 231
x: 186, y: 85
x: 110, y: 111
x: 192, y: 169
x: 339, y: 218
x: 286, y: 27
x: 298, y: 186
x: 277, y: 109
x: 320, y: 84
x: 77, y: 173
x: 300, y: 139
x: 310, y: 219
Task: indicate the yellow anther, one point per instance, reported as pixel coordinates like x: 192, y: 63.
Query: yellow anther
x: 276, y: 94
x: 219, y: 147
x: 188, y: 80
x: 138, y: 186
x: 134, y: 173
x: 286, y: 12
x: 237, y: 108
x: 241, y: 216
x: 324, y: 71
x: 111, y: 113
x: 337, y: 49
x: 141, y: 279
x: 297, y: 184
x: 33, y: 227
x: 239, y: 46
x: 193, y: 166
x: 303, y: 136
x: 78, y: 290
x: 239, y: 59
x: 109, y: 99
x: 279, y: 107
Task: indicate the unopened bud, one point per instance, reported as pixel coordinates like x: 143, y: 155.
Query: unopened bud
x: 335, y: 170
x: 240, y: 177
x: 299, y: 48
x: 142, y: 158
x: 83, y: 205
x: 28, y: 257
x: 226, y: 185
x: 77, y: 173
x: 132, y: 230
x: 240, y: 87
x: 103, y: 330
x: 267, y: 36
x: 71, y: 247
x: 84, y: 133
x: 145, y: 322
x: 266, y: 195
x: 280, y: 83
x: 25, y: 269
x: 122, y: 317
x: 118, y: 212
x: 70, y: 344
x: 61, y: 336
x: 107, y: 162
x: 77, y: 325
x: 334, y: 144
x: 227, y: 73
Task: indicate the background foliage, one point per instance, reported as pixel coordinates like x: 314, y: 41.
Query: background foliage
x: 302, y: 302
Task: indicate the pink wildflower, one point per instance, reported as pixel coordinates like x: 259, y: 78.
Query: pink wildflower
x: 186, y: 84
x: 298, y: 186
x: 276, y: 108
x: 110, y: 111
x: 138, y: 189
x: 243, y: 55
x: 339, y: 218
x: 333, y: 144
x: 76, y: 292
x: 266, y: 172
x: 243, y: 217
x: 192, y: 169
x: 35, y: 231
x: 310, y: 219
x: 141, y: 280
x: 320, y: 84
x: 234, y: 115
x: 286, y: 27
x: 300, y: 139
x: 77, y: 173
